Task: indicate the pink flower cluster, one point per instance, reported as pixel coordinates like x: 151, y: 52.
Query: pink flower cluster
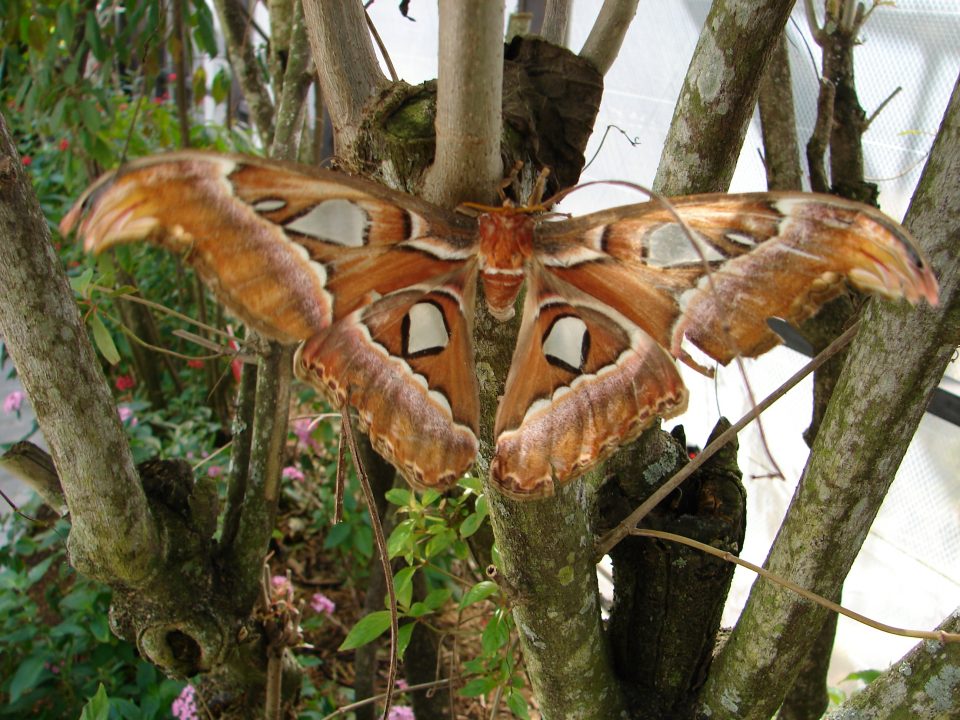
x: 401, y: 712
x: 185, y: 706
x: 13, y: 402
x: 322, y: 604
x: 303, y: 428
x: 292, y: 473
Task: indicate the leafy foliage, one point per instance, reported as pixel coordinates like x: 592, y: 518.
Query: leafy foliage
x: 58, y: 648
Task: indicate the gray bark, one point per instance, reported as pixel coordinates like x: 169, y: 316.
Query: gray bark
x: 606, y: 36
x: 349, y: 73
x: 48, y: 342
x: 719, y: 94
x: 467, y: 164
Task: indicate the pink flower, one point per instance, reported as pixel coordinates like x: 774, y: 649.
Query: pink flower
x: 185, y: 706
x: 214, y: 471
x: 302, y: 429
x: 281, y: 589
x: 13, y: 401
x: 402, y: 684
x: 126, y: 414
x: 172, y: 77
x: 64, y: 144
x: 292, y: 473
x: 124, y: 383
x: 401, y: 712
x: 322, y: 604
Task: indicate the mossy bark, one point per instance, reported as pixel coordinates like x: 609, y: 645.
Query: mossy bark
x: 719, y: 94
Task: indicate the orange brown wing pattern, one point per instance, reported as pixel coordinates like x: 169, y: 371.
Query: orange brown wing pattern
x: 769, y: 255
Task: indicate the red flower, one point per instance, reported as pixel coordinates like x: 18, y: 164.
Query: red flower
x: 172, y: 77
x: 195, y: 363
x: 64, y: 144
x: 124, y: 383
x: 26, y: 160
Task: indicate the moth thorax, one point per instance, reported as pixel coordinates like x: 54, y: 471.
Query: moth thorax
x: 506, y: 244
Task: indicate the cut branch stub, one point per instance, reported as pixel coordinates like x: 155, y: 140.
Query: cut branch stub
x: 550, y: 101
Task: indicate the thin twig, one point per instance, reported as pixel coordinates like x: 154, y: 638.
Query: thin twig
x: 880, y: 107
x: 367, y: 701
x: 382, y: 549
x: 383, y: 48
x: 790, y: 585
x: 162, y: 308
x: 623, y: 529
x: 219, y: 350
x: 340, y: 481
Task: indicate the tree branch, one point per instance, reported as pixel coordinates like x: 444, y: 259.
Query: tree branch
x: 344, y: 57
x: 781, y: 155
x: 35, y: 467
x: 556, y: 19
x: 718, y: 95
x: 899, y: 356
x: 467, y: 165
x: 922, y: 685
x: 606, y: 36
x: 114, y: 536
x: 296, y: 83
x: 258, y: 506
x: 236, y: 27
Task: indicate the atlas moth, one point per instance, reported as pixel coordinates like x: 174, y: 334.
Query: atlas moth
x: 379, y: 287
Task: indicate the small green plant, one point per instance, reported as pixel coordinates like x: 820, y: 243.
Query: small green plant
x: 58, y: 650
x: 431, y: 535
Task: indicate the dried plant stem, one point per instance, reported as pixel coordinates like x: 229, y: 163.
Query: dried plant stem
x: 367, y: 701
x: 382, y: 550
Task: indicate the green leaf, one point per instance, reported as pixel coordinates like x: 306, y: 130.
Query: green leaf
x: 27, y: 676
x: 203, y: 24
x: 469, y: 526
x: 220, y: 88
x: 93, y: 37
x: 439, y: 543
x: 89, y: 115
x: 103, y: 339
x: 403, y: 638
x: 40, y: 569
x: 368, y: 629
x: 436, y: 598
x: 518, y: 705
x: 478, y: 686
x: 481, y: 591
x: 81, y: 282
x: 403, y: 586
x: 337, y: 535
x: 867, y: 676
x: 495, y: 635
x: 429, y: 497
x: 100, y: 628
x: 473, y: 484
x: 419, y: 609
x: 199, y: 85
x: 97, y: 707
x: 398, y: 496
x: 399, y: 540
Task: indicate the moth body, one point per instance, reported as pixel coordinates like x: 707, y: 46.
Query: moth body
x: 379, y: 289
